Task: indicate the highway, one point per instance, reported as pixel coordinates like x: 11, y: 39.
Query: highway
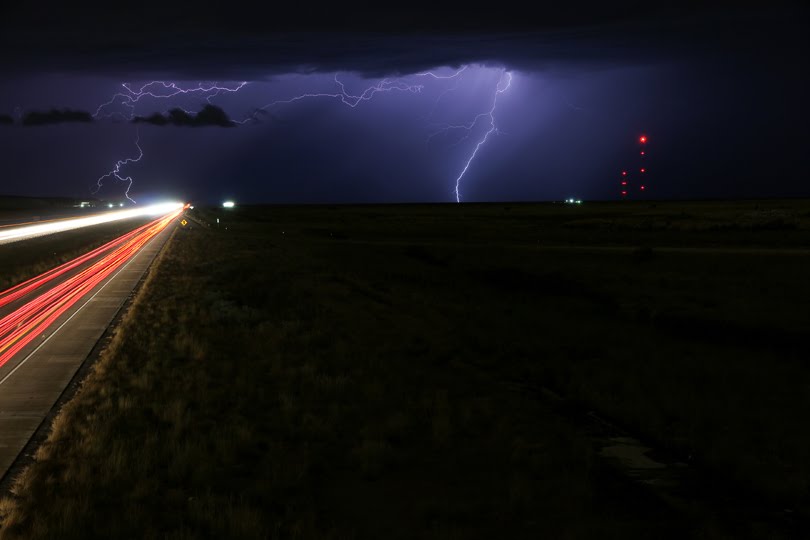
x: 49, y: 325
x: 22, y: 231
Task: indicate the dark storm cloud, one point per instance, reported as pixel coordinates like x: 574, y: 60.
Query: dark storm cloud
x: 55, y: 116
x: 252, y: 43
x: 210, y: 115
x: 716, y: 88
x: 6, y: 120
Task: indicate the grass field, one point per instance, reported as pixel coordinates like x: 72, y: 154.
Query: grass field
x: 362, y: 372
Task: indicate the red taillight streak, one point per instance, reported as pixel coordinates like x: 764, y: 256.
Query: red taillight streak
x: 21, y: 289
x: 14, y: 318
x: 22, y: 326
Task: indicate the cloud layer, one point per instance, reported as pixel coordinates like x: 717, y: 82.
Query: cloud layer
x: 55, y: 116
x: 210, y: 115
x: 234, y: 45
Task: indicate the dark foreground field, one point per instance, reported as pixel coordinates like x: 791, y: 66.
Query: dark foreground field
x: 385, y: 372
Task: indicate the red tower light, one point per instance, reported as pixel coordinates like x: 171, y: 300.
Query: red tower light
x: 642, y: 152
x: 643, y: 170
x: 624, y: 173
x: 624, y: 193
x: 642, y: 139
x: 642, y: 188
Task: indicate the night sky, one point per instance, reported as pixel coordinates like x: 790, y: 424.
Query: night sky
x: 719, y: 91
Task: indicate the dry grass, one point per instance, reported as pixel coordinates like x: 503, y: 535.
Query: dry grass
x: 345, y: 380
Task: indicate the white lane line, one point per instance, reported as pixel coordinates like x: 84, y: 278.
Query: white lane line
x: 32, y: 353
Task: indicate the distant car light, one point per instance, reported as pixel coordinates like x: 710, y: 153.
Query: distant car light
x: 228, y: 204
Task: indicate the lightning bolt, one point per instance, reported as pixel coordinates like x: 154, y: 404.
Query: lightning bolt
x: 130, y: 96
x: 116, y: 170
x: 492, y: 128
x: 504, y: 82
x: 157, y: 90
x: 456, y: 75
x: 352, y: 100
x: 387, y: 85
x: 444, y: 93
x: 160, y: 90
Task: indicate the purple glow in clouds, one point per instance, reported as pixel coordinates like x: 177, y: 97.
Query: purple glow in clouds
x: 123, y: 105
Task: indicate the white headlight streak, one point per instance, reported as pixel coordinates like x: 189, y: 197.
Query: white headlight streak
x: 15, y: 234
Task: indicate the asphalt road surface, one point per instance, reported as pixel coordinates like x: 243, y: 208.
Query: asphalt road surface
x: 50, y: 324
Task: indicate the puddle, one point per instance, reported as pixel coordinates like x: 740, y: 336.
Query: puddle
x: 631, y: 454
x: 692, y: 489
x: 633, y: 457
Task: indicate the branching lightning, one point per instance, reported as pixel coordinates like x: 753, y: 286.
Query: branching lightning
x: 157, y: 90
x: 116, y: 171
x: 492, y: 128
x: 352, y: 100
x: 468, y: 127
x: 130, y: 96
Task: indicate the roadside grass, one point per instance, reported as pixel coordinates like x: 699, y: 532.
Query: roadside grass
x: 339, y: 372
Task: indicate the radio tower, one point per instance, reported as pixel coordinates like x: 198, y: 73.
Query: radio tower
x: 642, y: 171
x: 625, y: 185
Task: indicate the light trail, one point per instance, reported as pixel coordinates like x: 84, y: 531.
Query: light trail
x: 21, y: 289
x: 29, y: 321
x: 15, y: 234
